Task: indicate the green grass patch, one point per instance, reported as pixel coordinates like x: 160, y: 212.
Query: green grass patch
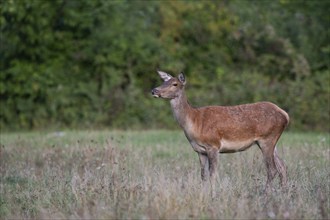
x: 154, y: 174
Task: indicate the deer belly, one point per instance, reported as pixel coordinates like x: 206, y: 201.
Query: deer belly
x: 229, y: 146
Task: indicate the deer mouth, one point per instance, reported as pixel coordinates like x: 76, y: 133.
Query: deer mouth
x: 155, y: 93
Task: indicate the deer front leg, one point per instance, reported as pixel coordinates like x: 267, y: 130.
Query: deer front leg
x: 213, y: 162
x: 204, y: 161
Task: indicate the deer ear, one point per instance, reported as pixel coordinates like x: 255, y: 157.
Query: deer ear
x: 182, y: 78
x: 164, y: 76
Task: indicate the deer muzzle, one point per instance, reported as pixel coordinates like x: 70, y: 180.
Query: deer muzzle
x: 155, y: 93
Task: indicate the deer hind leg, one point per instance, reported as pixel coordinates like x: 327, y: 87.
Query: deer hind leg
x: 281, y: 169
x: 267, y: 147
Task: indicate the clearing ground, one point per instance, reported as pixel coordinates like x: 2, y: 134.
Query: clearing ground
x: 154, y: 174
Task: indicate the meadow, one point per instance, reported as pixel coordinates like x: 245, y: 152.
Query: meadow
x: 154, y: 175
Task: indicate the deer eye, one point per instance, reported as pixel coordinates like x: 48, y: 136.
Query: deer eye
x: 175, y: 84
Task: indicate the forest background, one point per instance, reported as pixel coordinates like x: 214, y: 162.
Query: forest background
x: 92, y: 64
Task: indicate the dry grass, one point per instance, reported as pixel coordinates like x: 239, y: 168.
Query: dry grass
x: 152, y: 175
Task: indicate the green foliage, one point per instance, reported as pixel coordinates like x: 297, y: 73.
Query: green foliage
x: 92, y: 63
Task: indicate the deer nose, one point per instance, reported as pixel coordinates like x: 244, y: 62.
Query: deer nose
x: 154, y: 91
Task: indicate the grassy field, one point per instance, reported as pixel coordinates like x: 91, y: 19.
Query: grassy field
x: 152, y: 175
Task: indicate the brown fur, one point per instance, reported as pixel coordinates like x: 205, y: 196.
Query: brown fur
x: 226, y: 129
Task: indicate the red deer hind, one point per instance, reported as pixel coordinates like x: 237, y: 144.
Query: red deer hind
x: 226, y: 129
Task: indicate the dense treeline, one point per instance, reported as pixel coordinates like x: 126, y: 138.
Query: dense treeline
x: 92, y: 63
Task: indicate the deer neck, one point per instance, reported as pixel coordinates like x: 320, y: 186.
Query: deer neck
x: 181, y: 109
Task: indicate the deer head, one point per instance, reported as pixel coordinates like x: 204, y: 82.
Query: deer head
x: 171, y: 88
